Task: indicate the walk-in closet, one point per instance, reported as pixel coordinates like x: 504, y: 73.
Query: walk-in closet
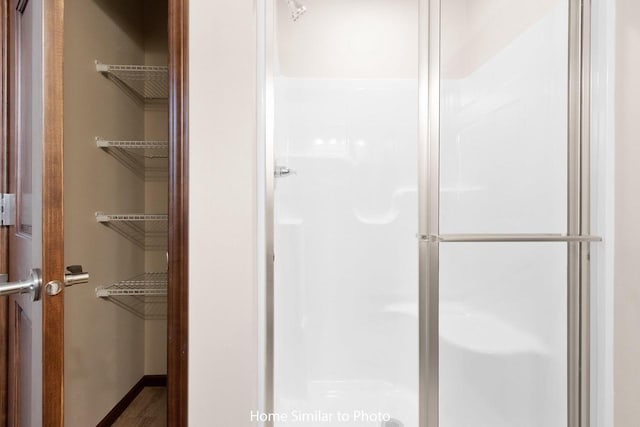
x: 115, y: 202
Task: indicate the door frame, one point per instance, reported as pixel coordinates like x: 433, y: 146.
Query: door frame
x: 53, y: 233
x: 178, y: 275
x: 52, y: 212
x: 4, y: 235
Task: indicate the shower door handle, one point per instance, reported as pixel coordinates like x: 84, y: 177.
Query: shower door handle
x: 283, y: 171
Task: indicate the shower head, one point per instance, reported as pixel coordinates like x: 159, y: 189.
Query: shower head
x: 297, y: 9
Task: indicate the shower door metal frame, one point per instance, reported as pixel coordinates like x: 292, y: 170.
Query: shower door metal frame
x: 269, y: 214
x: 578, y: 236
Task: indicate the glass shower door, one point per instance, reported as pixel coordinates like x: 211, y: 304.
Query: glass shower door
x: 470, y: 216
x: 345, y: 91
x: 505, y: 196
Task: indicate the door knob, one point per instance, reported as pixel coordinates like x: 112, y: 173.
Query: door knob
x: 75, y: 276
x: 32, y: 285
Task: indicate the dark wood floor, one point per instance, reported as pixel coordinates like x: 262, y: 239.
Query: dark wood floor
x: 148, y: 409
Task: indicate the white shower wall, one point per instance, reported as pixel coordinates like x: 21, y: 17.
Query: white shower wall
x: 504, y: 135
x: 345, y: 221
x: 346, y: 247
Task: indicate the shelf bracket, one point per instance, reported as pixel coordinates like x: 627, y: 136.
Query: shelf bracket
x: 101, y: 68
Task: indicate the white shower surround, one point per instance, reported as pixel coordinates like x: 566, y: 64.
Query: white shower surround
x: 347, y: 266
x: 529, y: 339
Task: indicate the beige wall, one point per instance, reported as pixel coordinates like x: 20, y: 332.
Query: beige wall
x: 474, y: 31
x: 104, y: 345
x: 156, y: 191
x: 222, y: 214
x: 627, y: 228
x: 107, y: 349
x: 334, y: 39
x: 367, y: 38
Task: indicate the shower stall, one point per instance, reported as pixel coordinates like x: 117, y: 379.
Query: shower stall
x: 427, y: 213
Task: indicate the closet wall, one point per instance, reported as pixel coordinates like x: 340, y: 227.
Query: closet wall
x: 156, y: 191
x: 107, y: 348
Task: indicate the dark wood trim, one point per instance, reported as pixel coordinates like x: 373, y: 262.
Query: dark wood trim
x: 4, y: 233
x: 52, y: 214
x: 10, y: 46
x: 177, y: 310
x: 121, y: 406
x: 155, y: 380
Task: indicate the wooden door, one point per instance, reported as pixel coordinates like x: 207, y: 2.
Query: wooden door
x: 34, y: 167
x: 25, y: 239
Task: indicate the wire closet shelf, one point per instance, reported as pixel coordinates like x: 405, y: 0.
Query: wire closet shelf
x: 144, y: 295
x: 147, y: 159
x: 149, y: 231
x: 148, y: 83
